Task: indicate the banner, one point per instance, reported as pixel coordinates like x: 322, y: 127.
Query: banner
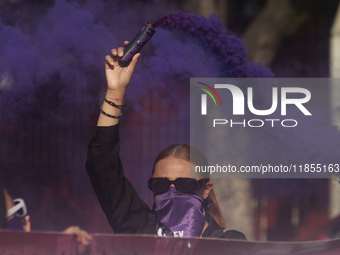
x: 22, y: 243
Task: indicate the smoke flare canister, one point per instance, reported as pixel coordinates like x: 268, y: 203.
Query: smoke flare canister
x: 137, y: 43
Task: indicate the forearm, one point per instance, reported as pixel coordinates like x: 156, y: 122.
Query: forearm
x: 9, y: 203
x: 125, y: 211
x: 104, y: 167
x: 117, y: 97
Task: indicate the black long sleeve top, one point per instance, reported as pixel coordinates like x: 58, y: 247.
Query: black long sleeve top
x: 124, y: 209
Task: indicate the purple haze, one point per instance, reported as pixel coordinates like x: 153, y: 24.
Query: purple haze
x: 228, y: 49
x: 51, y: 86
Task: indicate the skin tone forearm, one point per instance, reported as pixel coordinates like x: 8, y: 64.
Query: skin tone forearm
x: 118, y: 78
x: 9, y: 203
x: 118, y: 97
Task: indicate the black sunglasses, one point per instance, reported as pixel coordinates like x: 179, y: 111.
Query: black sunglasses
x: 184, y: 185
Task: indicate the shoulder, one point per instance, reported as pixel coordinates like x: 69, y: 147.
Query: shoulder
x: 149, y: 226
x: 215, y: 230
x: 233, y: 234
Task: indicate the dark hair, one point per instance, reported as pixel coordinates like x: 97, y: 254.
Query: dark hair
x: 183, y: 151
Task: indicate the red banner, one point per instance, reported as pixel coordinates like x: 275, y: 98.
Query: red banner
x: 15, y: 243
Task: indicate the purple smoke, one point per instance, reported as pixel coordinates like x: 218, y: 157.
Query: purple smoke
x: 188, y: 45
x: 228, y: 49
x: 52, y: 82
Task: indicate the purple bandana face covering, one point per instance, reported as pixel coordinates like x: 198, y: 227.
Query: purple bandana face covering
x: 179, y: 214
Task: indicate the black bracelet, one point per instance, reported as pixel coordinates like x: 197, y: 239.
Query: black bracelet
x: 113, y: 104
x: 108, y: 115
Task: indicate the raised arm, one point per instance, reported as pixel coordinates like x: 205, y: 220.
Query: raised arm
x: 125, y: 211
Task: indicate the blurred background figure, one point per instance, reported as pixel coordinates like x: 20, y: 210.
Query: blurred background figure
x: 15, y: 217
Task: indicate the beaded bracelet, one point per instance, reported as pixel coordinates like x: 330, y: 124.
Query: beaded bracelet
x: 113, y: 104
x: 108, y: 115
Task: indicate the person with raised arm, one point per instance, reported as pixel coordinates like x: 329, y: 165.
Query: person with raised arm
x: 183, y: 206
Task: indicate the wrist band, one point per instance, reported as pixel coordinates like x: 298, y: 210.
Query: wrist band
x: 113, y: 104
x: 108, y: 115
